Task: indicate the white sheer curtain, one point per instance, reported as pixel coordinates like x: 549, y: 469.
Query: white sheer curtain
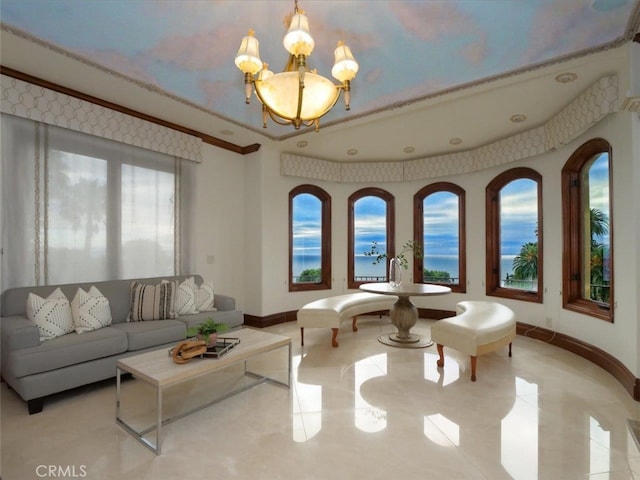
x: 81, y: 208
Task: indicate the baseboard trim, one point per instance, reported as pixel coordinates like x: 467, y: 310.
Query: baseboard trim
x: 594, y: 354
x: 270, y: 320
x: 587, y: 351
x: 290, y: 316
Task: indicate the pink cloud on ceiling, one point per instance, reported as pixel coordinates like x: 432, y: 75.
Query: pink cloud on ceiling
x: 432, y: 21
x: 567, y: 27
x: 477, y: 51
x: 133, y: 67
x: 200, y: 51
x: 212, y: 92
x: 327, y: 36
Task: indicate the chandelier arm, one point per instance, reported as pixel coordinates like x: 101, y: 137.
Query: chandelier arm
x: 275, y: 118
x: 279, y: 90
x: 298, y: 120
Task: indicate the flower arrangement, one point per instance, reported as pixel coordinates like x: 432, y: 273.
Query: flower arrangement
x: 402, y: 259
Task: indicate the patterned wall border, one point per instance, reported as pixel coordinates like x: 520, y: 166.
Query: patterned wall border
x: 586, y: 110
x: 41, y: 104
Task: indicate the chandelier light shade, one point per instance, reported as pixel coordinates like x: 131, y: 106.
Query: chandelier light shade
x: 297, y: 96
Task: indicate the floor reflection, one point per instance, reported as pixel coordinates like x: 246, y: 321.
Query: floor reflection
x: 363, y: 410
x: 519, y: 439
x: 520, y: 420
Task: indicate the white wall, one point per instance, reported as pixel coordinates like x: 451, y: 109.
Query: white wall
x: 217, y: 241
x: 242, y: 226
x: 635, y: 219
x: 266, y: 272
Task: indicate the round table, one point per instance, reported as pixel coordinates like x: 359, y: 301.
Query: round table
x: 404, y: 314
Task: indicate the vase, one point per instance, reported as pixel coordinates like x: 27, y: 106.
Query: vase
x: 213, y: 338
x: 395, y: 272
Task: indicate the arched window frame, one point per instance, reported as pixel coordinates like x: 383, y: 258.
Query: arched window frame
x: 325, y: 201
x: 492, y: 206
x: 572, y: 232
x: 390, y: 230
x: 418, y: 231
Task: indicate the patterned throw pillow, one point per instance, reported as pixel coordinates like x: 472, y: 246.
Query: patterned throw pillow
x: 204, y: 297
x: 52, y: 315
x: 186, y: 298
x: 90, y: 310
x: 152, y: 302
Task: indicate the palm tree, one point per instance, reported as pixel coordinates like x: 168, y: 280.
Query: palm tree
x: 599, y: 227
x: 598, y: 224
x: 525, y: 264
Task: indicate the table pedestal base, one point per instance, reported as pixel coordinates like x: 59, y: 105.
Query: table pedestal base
x: 414, y: 341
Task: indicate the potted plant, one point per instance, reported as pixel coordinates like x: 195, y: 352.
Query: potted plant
x: 207, y: 331
x: 397, y: 262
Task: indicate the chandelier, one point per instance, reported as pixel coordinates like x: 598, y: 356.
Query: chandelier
x: 297, y: 96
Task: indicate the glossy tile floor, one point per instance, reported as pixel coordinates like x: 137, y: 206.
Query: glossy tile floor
x: 362, y: 411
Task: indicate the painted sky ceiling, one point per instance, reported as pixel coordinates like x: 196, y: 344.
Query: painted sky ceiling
x: 406, y: 49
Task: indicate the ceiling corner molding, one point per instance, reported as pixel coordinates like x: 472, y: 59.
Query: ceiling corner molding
x: 37, y: 103
x: 209, y: 139
x: 306, y: 167
x: 596, y: 102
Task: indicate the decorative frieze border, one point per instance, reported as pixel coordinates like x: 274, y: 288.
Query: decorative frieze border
x: 41, y: 104
x: 591, y: 106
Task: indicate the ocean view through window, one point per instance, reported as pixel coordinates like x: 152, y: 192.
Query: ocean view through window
x: 309, y: 238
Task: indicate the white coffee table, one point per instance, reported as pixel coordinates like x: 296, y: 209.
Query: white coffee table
x: 158, y: 369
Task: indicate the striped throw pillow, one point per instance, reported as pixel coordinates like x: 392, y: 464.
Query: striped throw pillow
x: 152, y: 302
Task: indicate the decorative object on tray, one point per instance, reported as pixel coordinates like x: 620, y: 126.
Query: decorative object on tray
x: 397, y: 263
x: 207, y: 331
x: 185, y: 351
x: 222, y: 347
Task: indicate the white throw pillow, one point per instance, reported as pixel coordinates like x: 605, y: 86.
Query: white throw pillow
x: 204, y: 297
x: 186, y: 298
x: 90, y: 310
x: 152, y: 302
x: 52, y: 315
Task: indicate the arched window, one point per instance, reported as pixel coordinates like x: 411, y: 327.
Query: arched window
x: 587, y: 266
x: 371, y: 219
x: 309, y: 239
x: 439, y: 226
x: 514, y: 235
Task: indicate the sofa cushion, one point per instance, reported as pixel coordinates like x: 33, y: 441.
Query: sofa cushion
x: 90, y: 310
x: 151, y: 333
x: 52, y: 315
x: 186, y: 297
x: 152, y: 302
x: 204, y: 297
x: 67, y: 350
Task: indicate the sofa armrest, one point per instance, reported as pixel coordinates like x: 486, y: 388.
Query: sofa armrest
x: 18, y: 332
x: 224, y: 303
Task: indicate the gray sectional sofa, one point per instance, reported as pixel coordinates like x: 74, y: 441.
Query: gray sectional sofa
x: 35, y: 368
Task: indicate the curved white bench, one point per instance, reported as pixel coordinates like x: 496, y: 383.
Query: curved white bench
x: 329, y: 312
x: 479, y: 327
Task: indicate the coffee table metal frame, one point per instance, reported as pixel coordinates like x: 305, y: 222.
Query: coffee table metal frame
x: 148, y: 367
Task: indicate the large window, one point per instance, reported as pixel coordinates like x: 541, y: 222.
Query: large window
x: 514, y: 235
x: 439, y: 227
x: 309, y: 239
x: 587, y: 268
x: 371, y: 219
x: 82, y: 208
